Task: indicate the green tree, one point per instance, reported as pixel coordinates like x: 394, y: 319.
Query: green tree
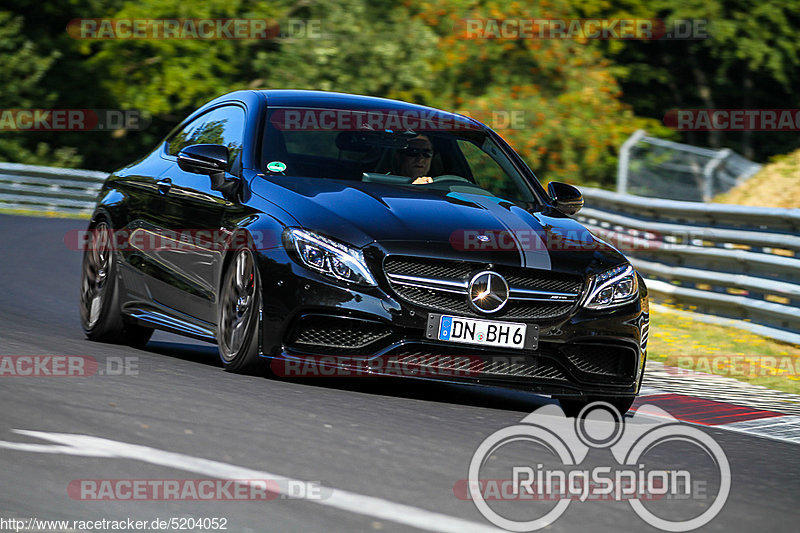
x: 364, y: 47
x: 565, y: 92
x: 24, y: 67
x: 578, y: 100
x: 749, y: 60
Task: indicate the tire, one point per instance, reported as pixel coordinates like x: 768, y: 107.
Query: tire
x: 573, y: 407
x: 99, y: 299
x: 238, y: 316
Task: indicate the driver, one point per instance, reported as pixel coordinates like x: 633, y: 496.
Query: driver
x: 414, y: 161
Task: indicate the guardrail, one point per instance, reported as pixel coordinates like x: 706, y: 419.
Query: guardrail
x: 56, y: 190
x: 726, y: 260
x: 731, y: 261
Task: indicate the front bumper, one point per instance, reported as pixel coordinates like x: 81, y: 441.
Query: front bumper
x: 372, y: 330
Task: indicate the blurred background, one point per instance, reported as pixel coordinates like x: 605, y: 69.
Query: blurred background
x: 579, y: 99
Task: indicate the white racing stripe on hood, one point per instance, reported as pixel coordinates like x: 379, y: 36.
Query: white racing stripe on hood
x: 534, y: 253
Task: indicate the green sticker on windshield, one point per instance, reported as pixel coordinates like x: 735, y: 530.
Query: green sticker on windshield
x: 276, y: 166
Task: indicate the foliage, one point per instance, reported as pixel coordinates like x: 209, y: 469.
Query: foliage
x: 24, y: 67
x: 572, y: 120
x: 364, y: 48
x: 566, y: 105
x: 750, y: 59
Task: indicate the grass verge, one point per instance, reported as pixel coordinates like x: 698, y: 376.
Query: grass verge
x: 679, y: 341
x: 40, y: 213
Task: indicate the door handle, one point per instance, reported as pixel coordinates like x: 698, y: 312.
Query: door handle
x: 164, y: 185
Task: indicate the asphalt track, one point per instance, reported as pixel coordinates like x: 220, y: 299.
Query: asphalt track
x: 390, y: 450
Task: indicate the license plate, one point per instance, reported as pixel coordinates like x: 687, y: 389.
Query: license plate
x: 490, y: 333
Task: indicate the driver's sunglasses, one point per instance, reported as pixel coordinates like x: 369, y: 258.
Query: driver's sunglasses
x: 414, y: 152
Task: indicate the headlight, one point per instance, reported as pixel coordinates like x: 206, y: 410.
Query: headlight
x: 612, y: 288
x: 332, y: 258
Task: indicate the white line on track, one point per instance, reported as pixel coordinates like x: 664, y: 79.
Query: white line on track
x: 87, y: 445
x: 782, y: 428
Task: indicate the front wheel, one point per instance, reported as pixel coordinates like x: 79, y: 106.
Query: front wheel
x: 238, y: 316
x: 99, y: 303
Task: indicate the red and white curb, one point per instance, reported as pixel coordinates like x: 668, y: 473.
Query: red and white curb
x: 721, y: 402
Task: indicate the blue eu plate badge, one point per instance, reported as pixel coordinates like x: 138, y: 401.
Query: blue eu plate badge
x: 445, y: 328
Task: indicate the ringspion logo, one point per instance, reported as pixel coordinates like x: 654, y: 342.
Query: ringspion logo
x: 518, y: 496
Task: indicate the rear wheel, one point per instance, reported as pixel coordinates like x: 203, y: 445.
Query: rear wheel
x: 99, y: 303
x: 238, y: 316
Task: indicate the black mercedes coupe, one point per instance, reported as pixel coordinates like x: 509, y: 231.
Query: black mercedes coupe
x: 363, y: 234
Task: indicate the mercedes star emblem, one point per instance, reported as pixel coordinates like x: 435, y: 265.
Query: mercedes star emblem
x: 488, y: 292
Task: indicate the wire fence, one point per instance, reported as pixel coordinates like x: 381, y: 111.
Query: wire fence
x: 657, y: 168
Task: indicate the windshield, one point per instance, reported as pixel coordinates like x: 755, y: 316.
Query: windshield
x: 453, y: 156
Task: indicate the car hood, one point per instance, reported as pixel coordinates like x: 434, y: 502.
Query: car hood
x: 450, y: 223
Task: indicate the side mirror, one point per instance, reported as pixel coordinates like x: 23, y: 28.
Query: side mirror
x: 204, y: 159
x: 567, y: 199
x: 212, y: 160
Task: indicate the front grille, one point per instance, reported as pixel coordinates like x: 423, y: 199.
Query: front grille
x: 434, y: 299
x: 545, y: 282
x: 333, y: 332
x: 603, y: 360
x: 457, y: 303
x: 418, y: 266
x: 441, y: 285
x: 438, y: 359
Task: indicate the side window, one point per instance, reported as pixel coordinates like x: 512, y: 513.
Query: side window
x: 485, y: 170
x: 489, y: 174
x: 224, y: 125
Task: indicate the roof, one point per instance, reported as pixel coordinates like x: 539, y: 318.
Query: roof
x: 334, y: 100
